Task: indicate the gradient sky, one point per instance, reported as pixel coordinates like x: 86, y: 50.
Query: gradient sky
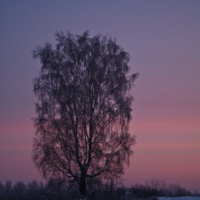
x: 163, y: 39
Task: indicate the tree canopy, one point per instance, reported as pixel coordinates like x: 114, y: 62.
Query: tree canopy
x: 83, y: 109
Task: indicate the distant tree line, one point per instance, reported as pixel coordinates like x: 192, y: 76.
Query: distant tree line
x: 60, y: 190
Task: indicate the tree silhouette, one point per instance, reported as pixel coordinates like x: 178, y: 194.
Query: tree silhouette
x: 83, y: 109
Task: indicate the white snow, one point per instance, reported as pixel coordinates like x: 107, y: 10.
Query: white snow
x: 180, y: 198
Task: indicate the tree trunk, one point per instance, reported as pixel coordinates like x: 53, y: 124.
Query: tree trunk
x: 82, y: 186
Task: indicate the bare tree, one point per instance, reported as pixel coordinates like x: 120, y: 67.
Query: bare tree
x: 83, y: 109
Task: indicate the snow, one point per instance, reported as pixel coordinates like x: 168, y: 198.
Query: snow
x: 180, y: 198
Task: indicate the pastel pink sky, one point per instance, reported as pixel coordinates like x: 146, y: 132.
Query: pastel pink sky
x: 163, y: 40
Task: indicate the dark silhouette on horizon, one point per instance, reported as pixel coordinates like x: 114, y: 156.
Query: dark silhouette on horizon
x: 54, y: 189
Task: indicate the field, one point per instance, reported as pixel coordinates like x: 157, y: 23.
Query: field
x: 180, y: 198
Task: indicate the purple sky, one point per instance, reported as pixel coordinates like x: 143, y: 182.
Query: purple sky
x: 163, y: 39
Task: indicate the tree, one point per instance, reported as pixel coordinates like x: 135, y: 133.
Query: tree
x: 33, y: 189
x: 19, y: 190
x: 2, y: 191
x: 9, y: 190
x: 83, y: 109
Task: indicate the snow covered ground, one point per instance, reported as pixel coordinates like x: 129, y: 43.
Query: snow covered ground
x: 180, y: 198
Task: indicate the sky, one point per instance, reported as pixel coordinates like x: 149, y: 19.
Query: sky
x: 163, y: 40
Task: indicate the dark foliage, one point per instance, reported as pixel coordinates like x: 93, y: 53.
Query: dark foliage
x: 59, y: 190
x: 155, y: 188
x: 83, y: 109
